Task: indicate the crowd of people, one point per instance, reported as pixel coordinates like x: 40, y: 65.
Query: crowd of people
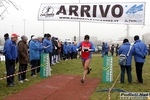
x: 30, y: 52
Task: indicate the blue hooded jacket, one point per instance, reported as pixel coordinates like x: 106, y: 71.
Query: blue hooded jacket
x: 48, y: 43
x: 11, y: 51
x: 106, y: 47
x: 34, y: 50
x: 124, y: 49
x: 41, y: 48
x: 70, y: 48
x: 139, y: 51
x: 6, y: 41
x: 74, y: 48
x: 65, y: 49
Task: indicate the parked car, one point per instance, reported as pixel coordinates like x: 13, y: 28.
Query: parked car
x: 1, y: 49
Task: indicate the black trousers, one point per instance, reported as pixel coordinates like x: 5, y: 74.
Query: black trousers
x: 50, y: 58
x: 10, y: 69
x: 139, y: 67
x: 22, y: 67
x: 38, y: 64
x: 34, y: 64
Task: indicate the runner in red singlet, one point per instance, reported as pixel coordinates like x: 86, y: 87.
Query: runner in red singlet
x: 86, y: 48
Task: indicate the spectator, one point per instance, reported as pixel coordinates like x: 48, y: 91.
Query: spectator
x: 72, y: 57
x: 41, y: 50
x: 126, y: 50
x: 53, y: 51
x: 112, y: 50
x: 56, y: 49
x: 11, y: 55
x: 6, y: 38
x: 103, y: 49
x: 139, y: 51
x: 74, y: 50
x: 69, y: 50
x: 65, y: 50
x: 49, y: 48
x: 34, y: 55
x: 61, y: 50
x: 117, y: 48
x: 106, y: 49
x: 23, y: 58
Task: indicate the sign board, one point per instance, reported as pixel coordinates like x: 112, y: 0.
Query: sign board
x: 107, y: 76
x: 111, y: 12
x: 45, y: 69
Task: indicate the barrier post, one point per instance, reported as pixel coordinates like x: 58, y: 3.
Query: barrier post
x: 45, y: 69
x: 107, y: 75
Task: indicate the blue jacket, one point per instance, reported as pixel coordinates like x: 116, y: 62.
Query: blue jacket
x: 139, y: 51
x: 34, y: 50
x: 70, y: 48
x: 11, y: 51
x: 106, y: 48
x: 65, y: 49
x: 48, y: 43
x: 41, y: 48
x: 124, y: 49
x: 6, y: 41
x: 74, y: 48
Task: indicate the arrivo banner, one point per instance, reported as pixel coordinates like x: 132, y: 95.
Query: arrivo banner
x: 115, y: 13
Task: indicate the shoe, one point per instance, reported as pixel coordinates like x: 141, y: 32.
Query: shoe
x: 33, y: 75
x: 10, y: 85
x: 82, y: 81
x: 21, y: 81
x: 26, y: 79
x: 89, y: 70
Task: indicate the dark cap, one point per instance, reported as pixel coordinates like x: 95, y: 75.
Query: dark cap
x: 136, y: 37
x: 125, y: 40
x: 6, y: 35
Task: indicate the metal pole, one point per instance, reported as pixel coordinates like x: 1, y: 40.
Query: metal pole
x: 127, y: 31
x: 24, y: 25
x: 79, y: 29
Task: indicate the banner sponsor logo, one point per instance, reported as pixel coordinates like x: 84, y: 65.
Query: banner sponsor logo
x: 118, y: 13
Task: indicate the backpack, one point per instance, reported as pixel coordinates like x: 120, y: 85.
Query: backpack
x: 123, y: 58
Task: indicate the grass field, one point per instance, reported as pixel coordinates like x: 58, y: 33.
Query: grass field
x: 73, y: 67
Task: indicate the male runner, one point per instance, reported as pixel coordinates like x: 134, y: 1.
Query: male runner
x: 86, y: 48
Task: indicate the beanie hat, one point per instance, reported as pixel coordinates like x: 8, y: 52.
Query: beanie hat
x: 24, y: 37
x: 6, y: 35
x: 125, y: 40
x: 34, y: 37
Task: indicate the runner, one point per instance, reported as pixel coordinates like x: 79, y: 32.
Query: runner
x: 86, y: 48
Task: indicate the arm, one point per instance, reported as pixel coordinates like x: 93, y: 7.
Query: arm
x: 34, y: 46
x: 92, y: 49
x: 8, y: 50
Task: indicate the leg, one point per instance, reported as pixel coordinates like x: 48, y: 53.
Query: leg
x: 128, y: 69
x: 20, y: 75
x: 38, y: 64
x: 139, y: 67
x: 122, y: 74
x: 86, y: 68
x: 33, y: 65
x: 24, y: 69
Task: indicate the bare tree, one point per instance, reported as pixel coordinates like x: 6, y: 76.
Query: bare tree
x: 4, y: 4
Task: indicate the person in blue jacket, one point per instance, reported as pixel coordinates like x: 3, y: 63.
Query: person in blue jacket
x: 140, y: 51
x: 6, y: 38
x: 106, y: 49
x: 126, y: 49
x: 74, y: 50
x: 41, y: 50
x: 69, y: 50
x: 11, y: 55
x: 34, y: 54
x: 49, y: 47
x: 65, y: 50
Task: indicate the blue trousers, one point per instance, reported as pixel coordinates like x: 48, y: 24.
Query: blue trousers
x: 128, y: 69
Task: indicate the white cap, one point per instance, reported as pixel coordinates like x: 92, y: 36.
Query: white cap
x: 34, y: 37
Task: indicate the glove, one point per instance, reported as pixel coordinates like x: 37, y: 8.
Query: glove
x: 85, y: 50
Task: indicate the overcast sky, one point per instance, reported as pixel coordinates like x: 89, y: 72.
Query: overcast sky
x: 14, y: 22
